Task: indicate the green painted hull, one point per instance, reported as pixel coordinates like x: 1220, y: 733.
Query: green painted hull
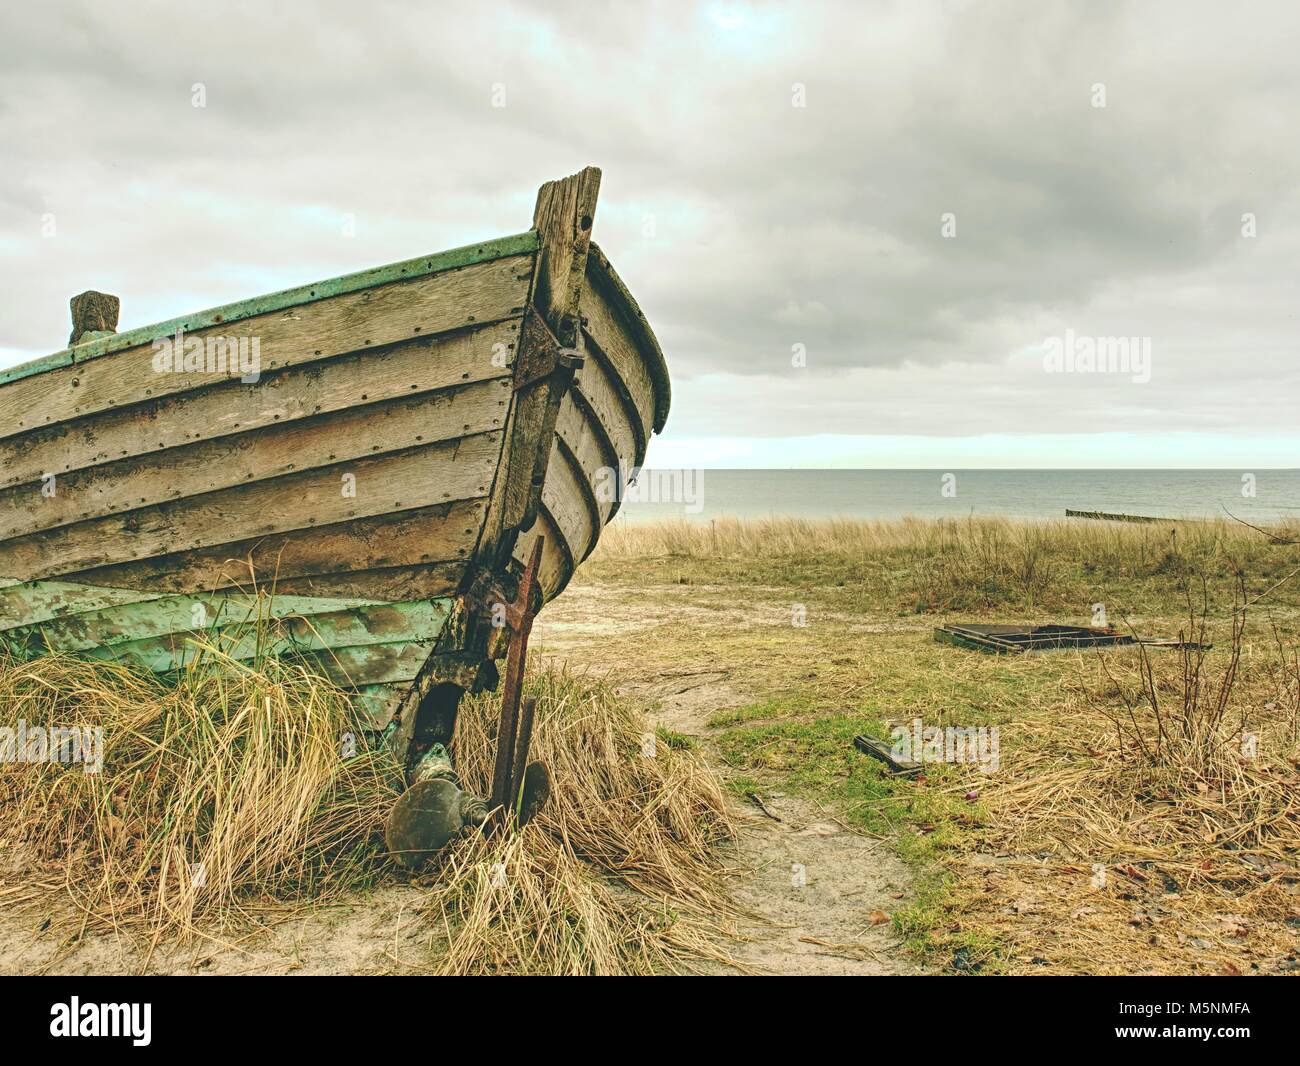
x: 373, y: 648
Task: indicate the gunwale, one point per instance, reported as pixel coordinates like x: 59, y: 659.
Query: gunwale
x: 524, y: 243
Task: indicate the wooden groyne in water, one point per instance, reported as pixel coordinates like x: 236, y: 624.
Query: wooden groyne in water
x: 1105, y: 516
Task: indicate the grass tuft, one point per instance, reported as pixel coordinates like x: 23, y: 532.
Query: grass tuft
x: 616, y: 875
x: 235, y: 786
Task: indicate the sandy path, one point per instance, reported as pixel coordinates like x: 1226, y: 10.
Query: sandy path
x: 371, y: 935
x: 813, y: 882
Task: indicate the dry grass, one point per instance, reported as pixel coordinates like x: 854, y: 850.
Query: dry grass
x: 982, y: 540
x: 616, y: 875
x: 236, y: 795
x: 1124, y: 764
x: 232, y: 789
x: 934, y: 565
x: 1148, y: 816
x: 1151, y: 824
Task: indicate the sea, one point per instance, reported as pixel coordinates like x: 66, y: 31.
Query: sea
x: 1255, y: 496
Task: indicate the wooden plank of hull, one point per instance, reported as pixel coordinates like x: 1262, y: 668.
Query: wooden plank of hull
x: 247, y: 458
x: 392, y: 583
x: 24, y: 603
x: 355, y: 636
x: 376, y: 704
x: 596, y: 390
x: 565, y: 523
x: 588, y: 446
x: 439, y: 537
x: 378, y: 646
x: 459, y: 470
x: 603, y: 278
x: 280, y: 397
x: 169, y: 615
x: 369, y: 664
x: 374, y: 664
x: 603, y: 328
x: 565, y: 500
x: 556, y: 567
x: 479, y: 294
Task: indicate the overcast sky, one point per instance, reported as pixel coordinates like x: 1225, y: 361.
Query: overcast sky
x: 949, y: 196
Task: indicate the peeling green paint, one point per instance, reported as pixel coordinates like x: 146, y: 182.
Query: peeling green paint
x: 375, y: 646
x: 351, y: 630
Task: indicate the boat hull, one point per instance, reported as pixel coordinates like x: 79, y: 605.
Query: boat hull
x: 367, y: 484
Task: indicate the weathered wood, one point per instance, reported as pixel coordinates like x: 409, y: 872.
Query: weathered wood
x: 1105, y: 516
x: 93, y: 312
x: 607, y: 329
x: 602, y: 277
x: 527, y: 448
x: 879, y: 750
x: 418, y: 477
x: 377, y: 704
x: 285, y: 299
x: 554, y: 570
x: 436, y: 537
x: 586, y: 449
x: 477, y: 295
x: 177, y: 488
x: 563, y: 498
x: 366, y: 664
x: 543, y: 374
x: 594, y: 387
x: 374, y: 664
x: 392, y: 583
x: 23, y: 603
x: 419, y: 365
x: 563, y: 218
x: 544, y: 364
x: 136, y: 484
x: 361, y: 620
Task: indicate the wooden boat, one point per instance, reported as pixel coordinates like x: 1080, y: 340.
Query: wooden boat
x: 373, y: 480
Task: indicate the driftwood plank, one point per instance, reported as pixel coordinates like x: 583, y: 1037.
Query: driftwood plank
x: 878, y: 749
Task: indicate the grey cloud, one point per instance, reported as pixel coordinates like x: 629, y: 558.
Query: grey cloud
x: 743, y: 224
